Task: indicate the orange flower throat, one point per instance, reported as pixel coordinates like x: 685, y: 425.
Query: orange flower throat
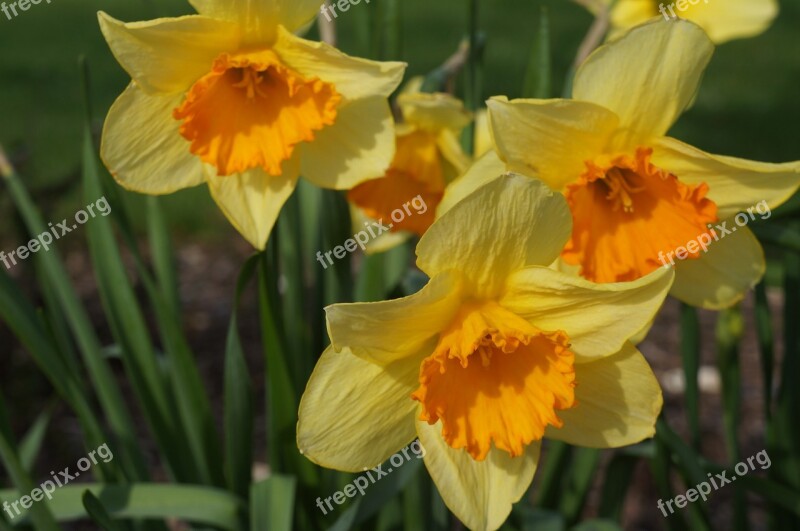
x: 416, y: 170
x: 495, y: 378
x: 251, y: 111
x: 626, y: 211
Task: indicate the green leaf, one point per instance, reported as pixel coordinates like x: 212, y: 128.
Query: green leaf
x: 730, y: 328
x: 578, y: 483
x: 619, y: 477
x: 292, y: 273
x: 766, y: 344
x: 100, y: 373
x: 238, y: 398
x: 691, y: 469
x: 690, y: 353
x: 273, y: 503
x: 146, y: 501
x: 31, y: 444
x: 163, y: 254
x: 17, y: 313
x: 96, y: 511
x: 281, y: 398
x: 39, y: 513
x: 538, y: 78
x: 551, y: 473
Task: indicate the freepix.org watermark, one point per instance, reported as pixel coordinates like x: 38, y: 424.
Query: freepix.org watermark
x: 24, y: 5
x: 342, y: 5
x: 362, y: 483
x: 682, y: 6
x: 47, y: 488
x: 362, y: 238
x: 45, y: 239
x: 716, y: 233
x: 715, y: 481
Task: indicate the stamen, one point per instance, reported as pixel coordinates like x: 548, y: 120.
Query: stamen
x: 620, y: 189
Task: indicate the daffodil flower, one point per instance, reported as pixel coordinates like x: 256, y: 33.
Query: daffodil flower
x: 496, y: 352
x: 232, y: 98
x: 640, y: 200
x: 723, y: 20
x: 428, y: 157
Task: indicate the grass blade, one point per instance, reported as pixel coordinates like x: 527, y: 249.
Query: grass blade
x: 275, y: 507
x: 730, y: 328
x: 91, y: 350
x: 146, y: 501
x: 39, y: 513
x: 96, y: 511
x: 579, y: 481
x: 238, y: 398
x: 538, y: 78
x: 690, y: 354
x: 766, y: 344
x: 31, y: 444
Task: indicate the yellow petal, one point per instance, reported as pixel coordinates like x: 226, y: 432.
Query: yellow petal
x: 168, y: 54
x: 354, y: 78
x: 383, y: 332
x: 732, y: 19
x: 259, y: 19
x: 483, y: 136
x: 261, y: 14
x: 628, y: 13
x: 359, y: 146
x: 450, y: 148
x: 721, y: 277
x: 550, y: 139
x: 142, y: 147
x: 513, y: 222
x: 618, y: 401
x: 434, y: 112
x: 734, y: 184
x: 598, y: 318
x: 252, y: 200
x: 648, y: 77
x: 355, y: 414
x: 479, y: 493
x: 483, y: 171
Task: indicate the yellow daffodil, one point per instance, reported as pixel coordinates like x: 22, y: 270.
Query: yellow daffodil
x: 232, y: 98
x: 723, y: 20
x: 496, y: 352
x: 640, y: 200
x: 427, y: 158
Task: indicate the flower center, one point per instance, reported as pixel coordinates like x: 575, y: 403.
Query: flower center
x: 415, y: 171
x: 495, y: 378
x: 628, y: 215
x: 251, y: 111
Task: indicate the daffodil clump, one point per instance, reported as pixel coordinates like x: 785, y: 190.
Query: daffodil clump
x: 636, y: 195
x: 230, y: 97
x: 496, y: 352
